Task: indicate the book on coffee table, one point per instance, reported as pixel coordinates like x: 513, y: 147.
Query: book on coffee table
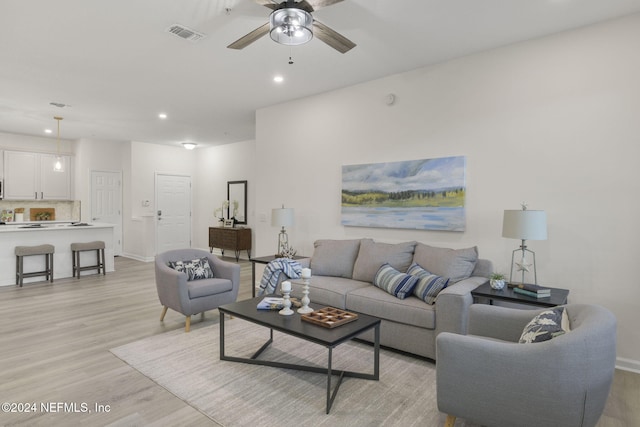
x: 271, y: 303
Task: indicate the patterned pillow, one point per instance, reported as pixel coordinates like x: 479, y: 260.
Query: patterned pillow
x: 429, y: 285
x: 195, y: 269
x: 546, y: 325
x: 391, y: 280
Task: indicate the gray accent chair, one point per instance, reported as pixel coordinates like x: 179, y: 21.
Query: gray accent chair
x: 196, y: 296
x: 486, y: 377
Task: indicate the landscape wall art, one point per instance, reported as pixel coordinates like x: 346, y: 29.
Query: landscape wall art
x: 427, y: 194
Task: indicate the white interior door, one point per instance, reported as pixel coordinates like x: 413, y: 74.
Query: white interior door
x: 106, y: 203
x: 173, y: 212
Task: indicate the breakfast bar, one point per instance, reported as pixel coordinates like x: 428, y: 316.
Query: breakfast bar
x: 58, y: 234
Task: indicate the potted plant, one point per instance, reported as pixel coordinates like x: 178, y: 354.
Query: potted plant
x: 497, y: 281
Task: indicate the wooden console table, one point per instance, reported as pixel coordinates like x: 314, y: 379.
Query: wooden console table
x: 236, y: 239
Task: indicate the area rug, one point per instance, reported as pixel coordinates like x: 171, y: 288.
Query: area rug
x: 237, y: 394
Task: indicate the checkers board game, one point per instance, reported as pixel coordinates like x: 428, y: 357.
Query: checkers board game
x: 329, y: 317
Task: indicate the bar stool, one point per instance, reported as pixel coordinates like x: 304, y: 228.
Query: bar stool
x: 77, y: 248
x: 23, y: 251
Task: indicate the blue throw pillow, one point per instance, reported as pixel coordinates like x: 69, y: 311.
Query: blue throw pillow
x: 195, y: 269
x: 429, y: 285
x: 394, y: 282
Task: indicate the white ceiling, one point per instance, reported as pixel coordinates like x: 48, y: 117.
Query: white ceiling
x: 115, y: 66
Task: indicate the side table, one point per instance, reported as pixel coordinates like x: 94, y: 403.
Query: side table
x: 558, y: 296
x: 263, y: 260
x: 236, y: 239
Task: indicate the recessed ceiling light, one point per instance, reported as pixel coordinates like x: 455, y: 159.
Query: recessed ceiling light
x: 189, y: 145
x: 162, y: 116
x: 48, y: 131
x: 278, y: 79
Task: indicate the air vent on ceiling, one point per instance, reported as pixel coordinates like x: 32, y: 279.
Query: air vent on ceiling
x: 185, y: 33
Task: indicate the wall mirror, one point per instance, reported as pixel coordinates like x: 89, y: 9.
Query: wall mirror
x: 237, y: 194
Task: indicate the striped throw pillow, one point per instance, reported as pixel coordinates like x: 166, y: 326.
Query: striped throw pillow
x: 394, y: 282
x: 429, y: 285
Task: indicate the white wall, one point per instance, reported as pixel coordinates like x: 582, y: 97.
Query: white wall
x: 553, y: 122
x: 95, y: 155
x: 146, y: 161
x: 214, y: 167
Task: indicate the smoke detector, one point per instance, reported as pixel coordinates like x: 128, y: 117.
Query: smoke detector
x: 185, y: 33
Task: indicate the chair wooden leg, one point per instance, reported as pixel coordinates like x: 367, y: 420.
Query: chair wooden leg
x: 450, y: 421
x: 164, y: 311
x: 187, y: 325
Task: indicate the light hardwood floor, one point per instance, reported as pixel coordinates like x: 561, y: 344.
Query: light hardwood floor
x: 55, y: 341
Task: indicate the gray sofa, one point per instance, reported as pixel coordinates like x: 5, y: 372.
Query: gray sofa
x: 343, y: 272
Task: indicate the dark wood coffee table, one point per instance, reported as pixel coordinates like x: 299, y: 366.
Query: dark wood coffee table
x: 293, y: 325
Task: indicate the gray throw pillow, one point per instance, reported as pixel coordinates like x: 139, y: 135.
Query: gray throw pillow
x: 456, y: 264
x: 373, y: 255
x: 334, y: 257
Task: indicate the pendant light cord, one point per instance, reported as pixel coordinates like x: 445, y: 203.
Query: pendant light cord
x: 58, y: 139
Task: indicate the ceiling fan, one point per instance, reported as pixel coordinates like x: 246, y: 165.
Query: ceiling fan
x: 291, y: 23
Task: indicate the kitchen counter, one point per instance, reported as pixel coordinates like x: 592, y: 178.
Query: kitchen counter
x: 57, y: 233
x: 48, y: 225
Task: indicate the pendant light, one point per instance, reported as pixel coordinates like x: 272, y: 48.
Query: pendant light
x: 58, y: 165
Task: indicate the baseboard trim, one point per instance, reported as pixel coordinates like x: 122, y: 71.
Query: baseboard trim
x: 628, y: 365
x: 137, y: 257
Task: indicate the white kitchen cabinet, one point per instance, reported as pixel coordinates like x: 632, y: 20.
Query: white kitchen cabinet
x: 29, y: 176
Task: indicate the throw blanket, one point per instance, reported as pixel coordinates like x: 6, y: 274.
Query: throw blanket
x: 269, y: 281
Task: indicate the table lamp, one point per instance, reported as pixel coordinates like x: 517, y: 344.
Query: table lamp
x: 524, y: 225
x: 282, y: 217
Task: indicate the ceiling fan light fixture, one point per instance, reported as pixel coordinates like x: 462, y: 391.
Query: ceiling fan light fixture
x: 291, y: 26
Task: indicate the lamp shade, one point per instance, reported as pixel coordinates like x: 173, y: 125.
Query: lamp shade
x: 282, y: 217
x: 525, y: 225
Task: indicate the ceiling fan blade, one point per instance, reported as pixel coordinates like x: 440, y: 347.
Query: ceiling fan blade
x: 267, y: 3
x: 246, y: 40
x: 332, y: 37
x: 319, y: 4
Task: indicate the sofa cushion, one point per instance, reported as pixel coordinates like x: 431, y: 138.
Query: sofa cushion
x: 398, y: 284
x: 545, y: 326
x: 327, y: 290
x: 429, y: 285
x: 456, y: 264
x: 372, y: 255
x: 376, y: 302
x: 208, y: 287
x: 195, y: 269
x: 334, y: 257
